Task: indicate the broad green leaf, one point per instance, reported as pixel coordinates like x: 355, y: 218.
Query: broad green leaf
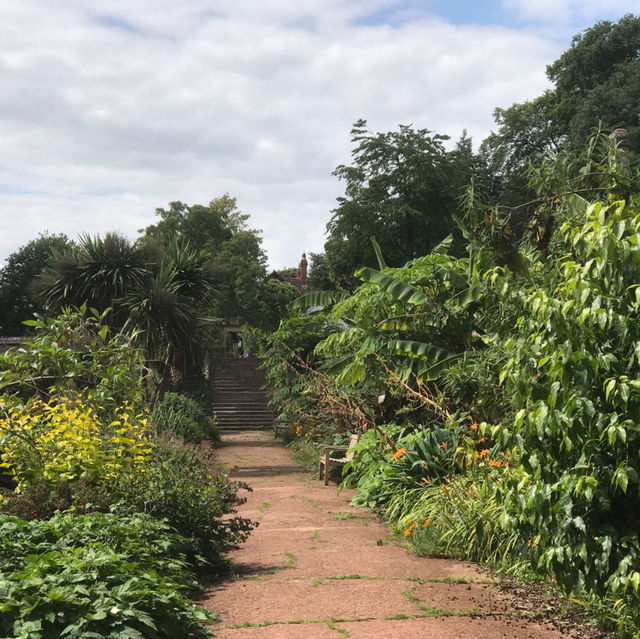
x: 317, y: 299
x: 400, y: 290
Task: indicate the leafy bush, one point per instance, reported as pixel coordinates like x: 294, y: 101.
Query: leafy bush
x: 61, y: 440
x: 462, y: 515
x: 96, y: 575
x: 573, y: 370
x: 75, y: 354
x: 186, y: 487
x: 184, y: 416
x: 40, y: 500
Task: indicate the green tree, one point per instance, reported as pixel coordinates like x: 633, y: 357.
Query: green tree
x: 234, y: 255
x: 596, y: 82
x: 319, y: 273
x: 273, y: 296
x: 98, y: 271
x: 402, y: 188
x: 18, y: 301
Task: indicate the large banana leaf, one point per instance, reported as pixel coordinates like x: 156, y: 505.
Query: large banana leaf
x: 421, y: 350
x: 400, y: 290
x: 444, y: 246
x: 317, y: 300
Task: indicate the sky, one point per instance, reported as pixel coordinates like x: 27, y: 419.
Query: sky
x: 112, y: 108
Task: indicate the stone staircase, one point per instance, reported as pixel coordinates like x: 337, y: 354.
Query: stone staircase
x: 239, y: 401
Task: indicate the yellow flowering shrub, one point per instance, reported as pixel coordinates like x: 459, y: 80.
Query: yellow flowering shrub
x: 63, y: 440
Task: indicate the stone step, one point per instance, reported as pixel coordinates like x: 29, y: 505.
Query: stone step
x: 240, y: 401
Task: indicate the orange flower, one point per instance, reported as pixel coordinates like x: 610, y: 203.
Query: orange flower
x: 444, y: 445
x: 406, y: 532
x: 484, y: 452
x: 474, y: 426
x: 399, y: 453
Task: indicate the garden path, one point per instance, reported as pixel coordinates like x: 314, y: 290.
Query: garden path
x: 319, y: 568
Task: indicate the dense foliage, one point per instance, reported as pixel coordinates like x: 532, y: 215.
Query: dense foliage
x: 183, y: 415
x: 98, y: 575
x: 595, y: 82
x: 18, y: 300
x: 496, y: 394
x: 401, y: 188
x: 103, y: 523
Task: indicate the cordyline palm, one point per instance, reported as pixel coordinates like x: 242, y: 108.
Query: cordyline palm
x: 164, y: 311
x: 156, y: 296
x: 97, y: 272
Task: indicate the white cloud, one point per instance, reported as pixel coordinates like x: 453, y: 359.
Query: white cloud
x: 110, y: 108
x: 571, y: 10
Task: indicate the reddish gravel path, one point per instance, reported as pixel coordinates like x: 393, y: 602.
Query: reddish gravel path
x: 319, y: 568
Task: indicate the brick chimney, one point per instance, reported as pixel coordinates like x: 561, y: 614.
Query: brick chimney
x: 302, y: 269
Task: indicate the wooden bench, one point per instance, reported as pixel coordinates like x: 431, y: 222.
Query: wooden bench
x: 326, y: 460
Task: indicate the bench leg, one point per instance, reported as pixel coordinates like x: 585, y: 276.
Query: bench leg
x: 326, y: 468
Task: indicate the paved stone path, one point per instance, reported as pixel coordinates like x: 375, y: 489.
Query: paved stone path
x: 318, y: 568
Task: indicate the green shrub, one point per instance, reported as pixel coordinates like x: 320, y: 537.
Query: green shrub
x: 98, y: 575
x: 75, y: 354
x: 40, y: 500
x: 185, y: 486
x: 184, y: 416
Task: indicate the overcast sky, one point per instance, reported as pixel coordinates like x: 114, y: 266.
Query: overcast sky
x: 111, y: 108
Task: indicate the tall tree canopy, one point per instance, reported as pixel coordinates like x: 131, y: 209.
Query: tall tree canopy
x: 18, y: 301
x: 234, y: 254
x: 402, y: 187
x: 597, y: 80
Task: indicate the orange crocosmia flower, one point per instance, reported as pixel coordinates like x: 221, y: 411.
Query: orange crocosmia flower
x: 444, y: 445
x: 474, y: 426
x: 407, y: 532
x: 484, y: 452
x: 399, y: 453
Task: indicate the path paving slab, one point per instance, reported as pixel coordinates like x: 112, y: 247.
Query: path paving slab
x: 317, y: 568
x: 448, y: 628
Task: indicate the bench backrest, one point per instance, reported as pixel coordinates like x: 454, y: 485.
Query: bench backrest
x: 353, y: 440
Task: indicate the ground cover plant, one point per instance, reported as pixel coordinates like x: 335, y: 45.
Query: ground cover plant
x: 97, y: 575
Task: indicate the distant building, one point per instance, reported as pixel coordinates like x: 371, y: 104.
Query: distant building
x: 300, y: 280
